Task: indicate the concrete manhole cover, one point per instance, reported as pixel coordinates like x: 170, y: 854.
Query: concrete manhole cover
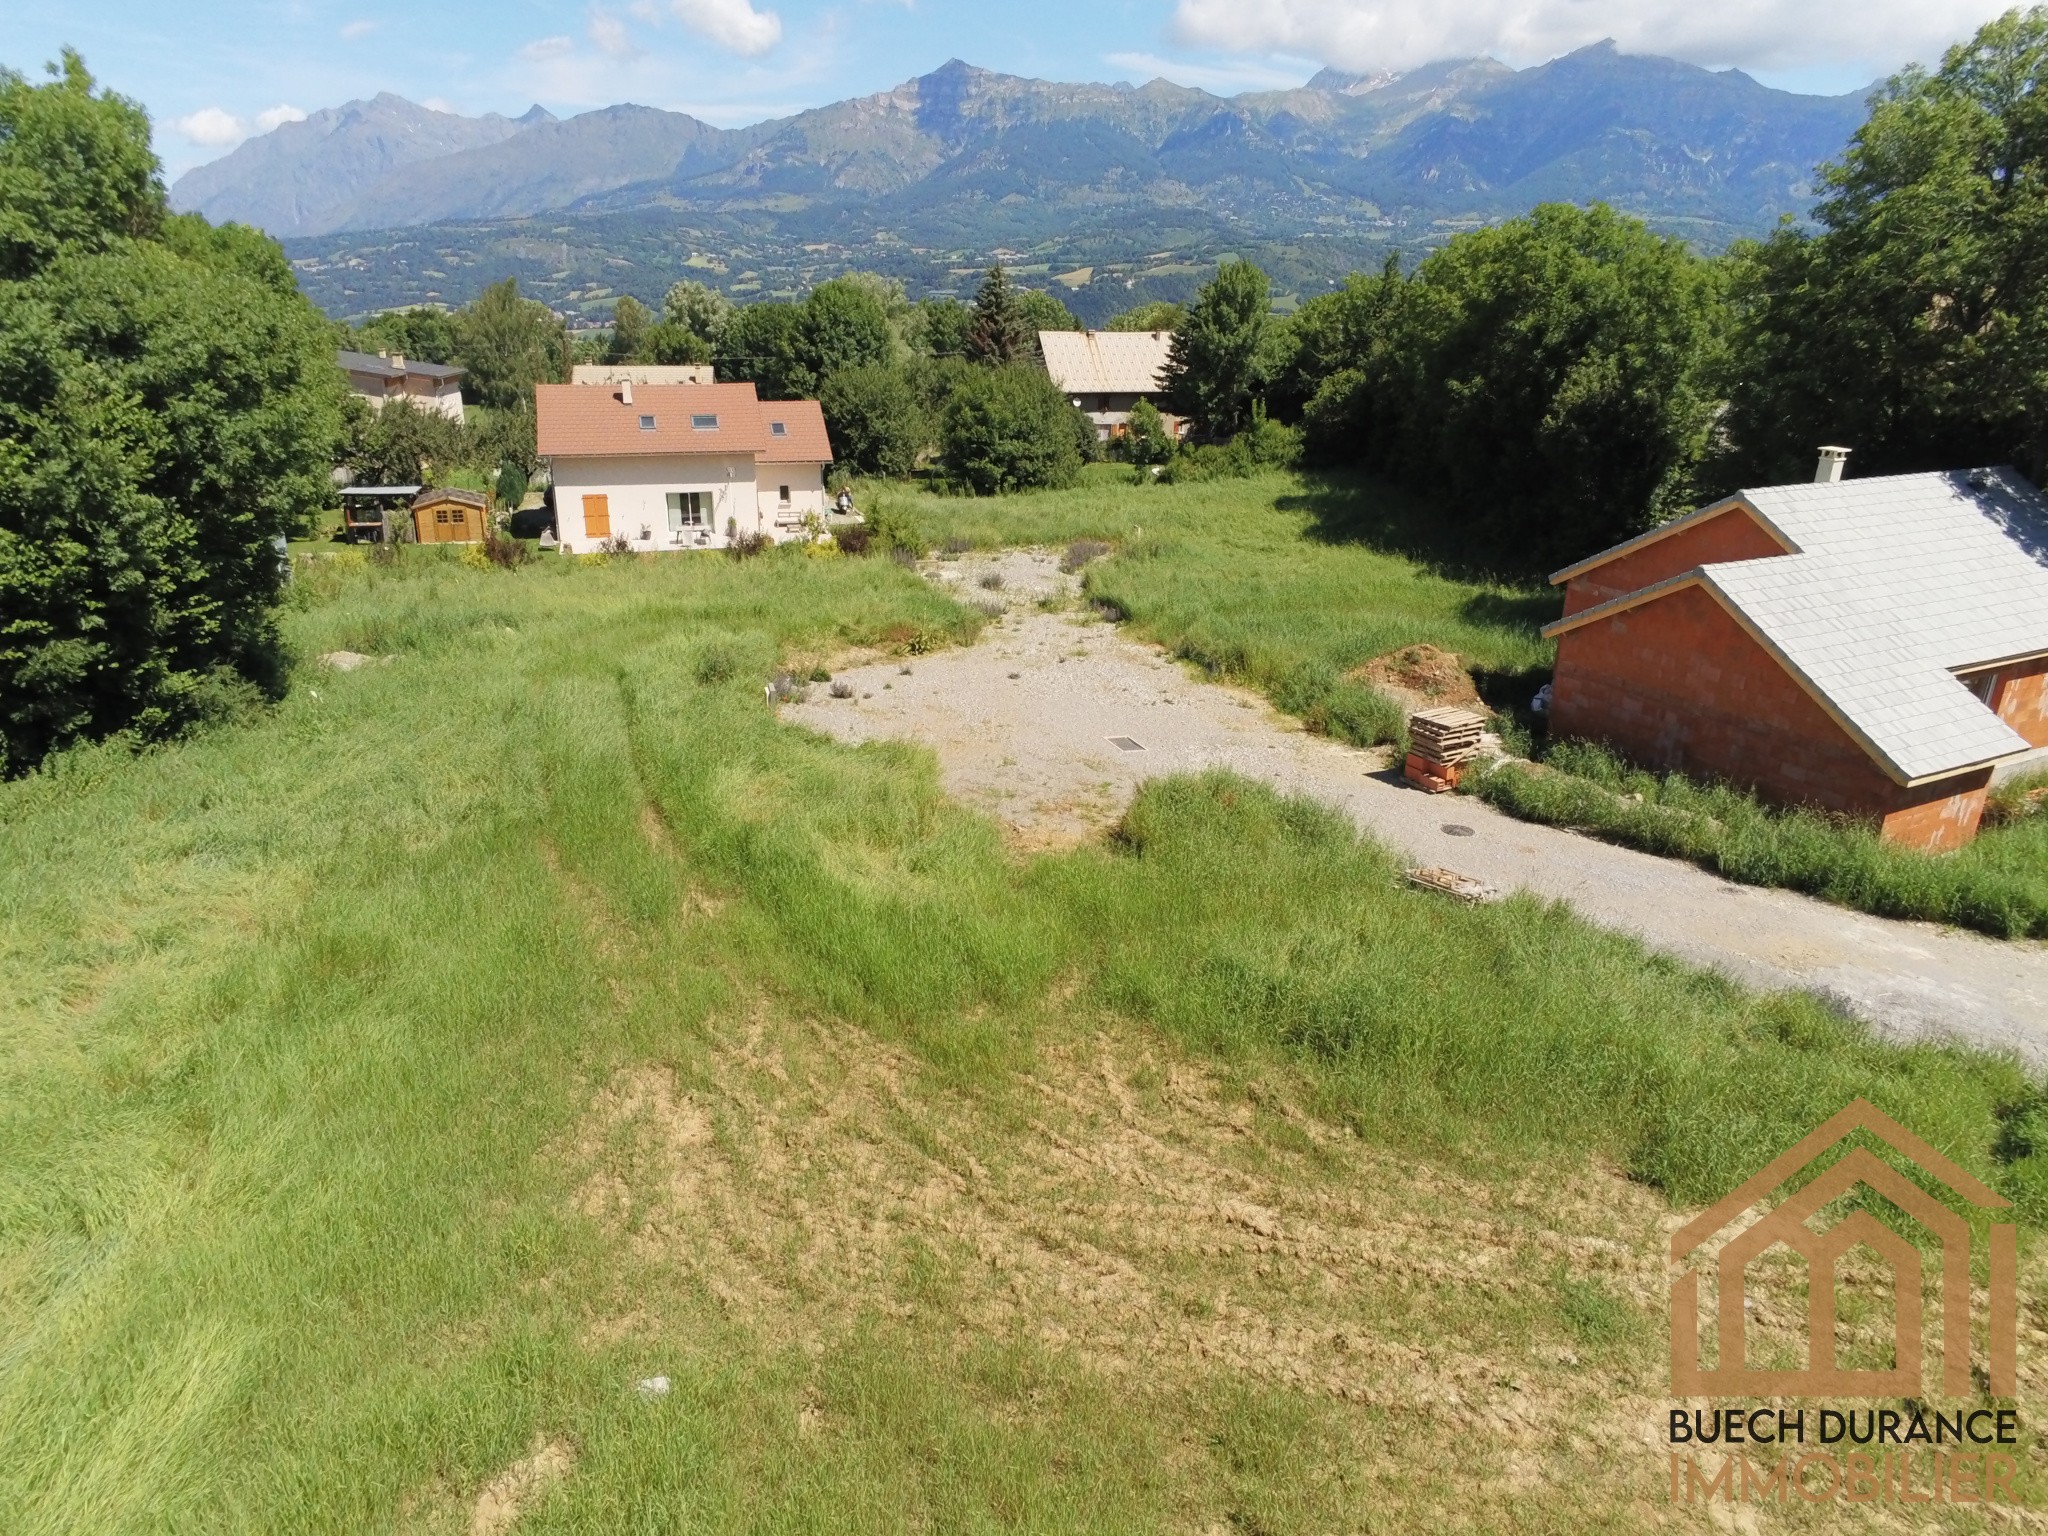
x: 1453, y: 829
x: 1126, y: 744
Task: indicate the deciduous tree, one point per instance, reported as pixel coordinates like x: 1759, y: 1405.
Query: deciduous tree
x: 508, y: 344
x: 762, y: 343
x: 419, y: 334
x: 168, y: 407
x: 1009, y: 429
x: 1159, y: 315
x: 1914, y: 326
x: 1548, y: 380
x: 874, y: 419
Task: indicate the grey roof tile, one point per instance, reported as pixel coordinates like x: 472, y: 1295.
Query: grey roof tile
x: 1899, y: 582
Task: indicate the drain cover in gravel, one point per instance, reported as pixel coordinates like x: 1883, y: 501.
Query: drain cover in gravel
x: 1126, y: 744
x: 1452, y: 829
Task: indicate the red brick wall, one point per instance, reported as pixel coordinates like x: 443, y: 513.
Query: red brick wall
x: 1678, y: 684
x: 2020, y: 695
x: 1936, y: 825
x: 1731, y: 535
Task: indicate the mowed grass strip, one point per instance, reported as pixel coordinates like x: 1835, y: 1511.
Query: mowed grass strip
x: 1283, y: 582
x: 303, y: 1020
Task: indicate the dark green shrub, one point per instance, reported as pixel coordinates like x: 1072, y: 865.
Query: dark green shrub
x: 1145, y: 439
x: 168, y: 407
x: 875, y: 421
x: 892, y: 529
x: 1010, y: 429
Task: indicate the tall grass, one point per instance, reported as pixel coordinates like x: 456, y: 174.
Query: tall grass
x: 1997, y: 884
x: 299, y: 1017
x: 1283, y: 583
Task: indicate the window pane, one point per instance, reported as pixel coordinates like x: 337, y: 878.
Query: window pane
x: 704, y: 423
x: 646, y: 423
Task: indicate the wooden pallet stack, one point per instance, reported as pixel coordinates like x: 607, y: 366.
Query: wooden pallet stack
x: 1438, y: 741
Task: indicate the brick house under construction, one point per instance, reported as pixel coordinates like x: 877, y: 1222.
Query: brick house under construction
x: 1873, y: 647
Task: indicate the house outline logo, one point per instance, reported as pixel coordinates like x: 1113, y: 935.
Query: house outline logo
x: 1787, y: 1224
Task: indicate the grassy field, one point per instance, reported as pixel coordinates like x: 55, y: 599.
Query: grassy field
x: 1283, y: 583
x: 393, y: 1081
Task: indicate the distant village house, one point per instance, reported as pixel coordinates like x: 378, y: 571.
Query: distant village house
x: 679, y: 466
x: 1876, y: 648
x: 1105, y: 373
x: 381, y: 377
x: 641, y: 373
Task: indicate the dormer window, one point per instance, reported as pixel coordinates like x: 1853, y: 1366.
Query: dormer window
x: 779, y: 429
x: 646, y: 423
x: 704, y: 423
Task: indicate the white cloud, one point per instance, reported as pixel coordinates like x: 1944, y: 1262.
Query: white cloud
x: 439, y: 104
x: 610, y: 35
x: 733, y: 24
x: 547, y: 48
x: 357, y: 30
x: 211, y: 127
x: 645, y: 10
x: 278, y: 116
x: 1754, y: 34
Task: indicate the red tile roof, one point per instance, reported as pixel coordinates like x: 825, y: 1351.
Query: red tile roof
x: 802, y: 439
x: 594, y: 421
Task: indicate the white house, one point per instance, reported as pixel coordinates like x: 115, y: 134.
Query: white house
x: 637, y: 374
x: 1105, y: 373
x: 679, y: 466
x: 383, y: 376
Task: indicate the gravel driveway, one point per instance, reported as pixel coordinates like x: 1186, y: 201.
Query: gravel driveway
x: 1052, y: 722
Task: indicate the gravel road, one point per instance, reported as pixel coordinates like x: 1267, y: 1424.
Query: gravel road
x: 1052, y: 722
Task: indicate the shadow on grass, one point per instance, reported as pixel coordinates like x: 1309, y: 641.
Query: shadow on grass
x: 1525, y: 609
x: 1350, y: 507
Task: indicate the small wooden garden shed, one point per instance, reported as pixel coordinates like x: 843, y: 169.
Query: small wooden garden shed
x: 450, y: 517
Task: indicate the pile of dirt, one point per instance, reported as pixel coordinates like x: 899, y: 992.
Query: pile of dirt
x: 1422, y: 676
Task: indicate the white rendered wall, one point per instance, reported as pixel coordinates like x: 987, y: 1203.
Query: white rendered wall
x: 638, y: 489
x: 806, y: 484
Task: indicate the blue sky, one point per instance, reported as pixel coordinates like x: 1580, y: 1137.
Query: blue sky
x: 211, y: 71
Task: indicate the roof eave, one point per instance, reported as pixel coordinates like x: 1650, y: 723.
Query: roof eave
x: 1676, y: 525
x: 1699, y: 576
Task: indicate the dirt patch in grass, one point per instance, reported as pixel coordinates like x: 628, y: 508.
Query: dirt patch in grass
x: 1130, y: 1208
x: 1421, y: 677
x: 506, y: 1497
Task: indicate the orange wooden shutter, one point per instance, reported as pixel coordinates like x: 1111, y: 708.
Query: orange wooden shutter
x: 597, y: 517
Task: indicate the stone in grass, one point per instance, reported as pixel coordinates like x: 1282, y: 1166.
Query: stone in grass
x: 653, y: 1386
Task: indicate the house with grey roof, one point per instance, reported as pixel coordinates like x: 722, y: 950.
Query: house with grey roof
x: 381, y: 377
x: 1105, y: 373
x: 1873, y: 647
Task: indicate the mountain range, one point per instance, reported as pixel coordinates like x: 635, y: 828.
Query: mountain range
x: 968, y: 162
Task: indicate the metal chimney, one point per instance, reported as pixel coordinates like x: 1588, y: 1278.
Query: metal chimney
x: 1832, y: 462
